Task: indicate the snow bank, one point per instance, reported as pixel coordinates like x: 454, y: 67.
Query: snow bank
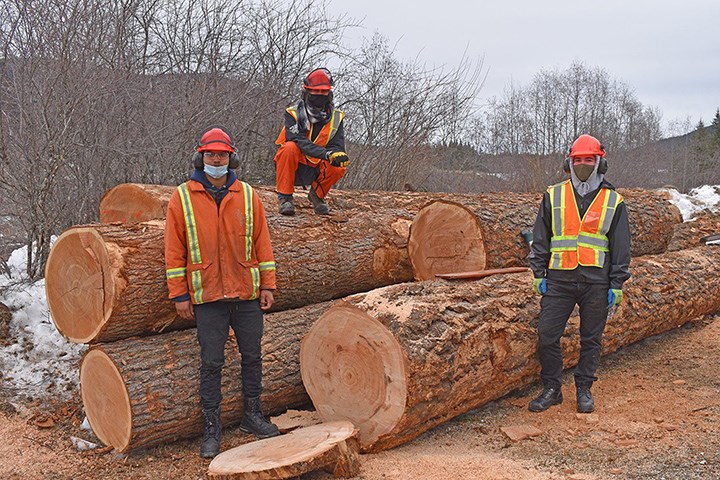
x: 39, y: 363
x: 698, y: 199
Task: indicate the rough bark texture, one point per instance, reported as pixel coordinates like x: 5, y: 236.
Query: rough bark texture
x: 134, y: 203
x: 688, y: 234
x: 465, y: 344
x: 329, y: 446
x: 5, y: 317
x: 161, y: 376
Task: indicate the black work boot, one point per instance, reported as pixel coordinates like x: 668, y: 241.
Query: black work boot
x: 286, y: 204
x: 254, y: 422
x: 550, y: 396
x: 585, y: 402
x: 211, y: 439
x: 319, y: 205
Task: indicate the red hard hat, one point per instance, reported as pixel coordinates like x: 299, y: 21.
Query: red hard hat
x: 216, y: 139
x: 318, y: 79
x: 586, y: 146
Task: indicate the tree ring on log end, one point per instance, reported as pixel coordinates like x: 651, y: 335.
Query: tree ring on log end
x: 79, y: 284
x: 106, y: 400
x: 353, y: 368
x: 445, y: 237
x: 280, y: 457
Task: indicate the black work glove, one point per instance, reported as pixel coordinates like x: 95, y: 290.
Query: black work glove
x: 339, y: 159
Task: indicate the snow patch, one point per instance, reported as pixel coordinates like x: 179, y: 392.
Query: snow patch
x: 697, y: 200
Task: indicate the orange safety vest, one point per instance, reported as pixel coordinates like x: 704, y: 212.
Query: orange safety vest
x: 326, y: 134
x: 577, y: 241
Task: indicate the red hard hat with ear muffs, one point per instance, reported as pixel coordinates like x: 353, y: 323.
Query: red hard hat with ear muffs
x: 215, y: 138
x: 585, y: 146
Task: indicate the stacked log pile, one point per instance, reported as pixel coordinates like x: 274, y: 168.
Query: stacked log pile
x: 106, y: 287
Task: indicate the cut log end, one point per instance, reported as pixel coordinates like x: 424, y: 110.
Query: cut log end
x: 79, y: 284
x: 106, y: 400
x: 328, y: 446
x: 445, y: 237
x: 354, y: 369
x: 130, y: 203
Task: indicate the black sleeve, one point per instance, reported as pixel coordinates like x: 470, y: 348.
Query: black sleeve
x: 619, y: 238
x: 292, y: 134
x: 542, y: 231
x: 337, y: 143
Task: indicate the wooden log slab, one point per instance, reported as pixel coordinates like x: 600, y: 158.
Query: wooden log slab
x: 135, y: 203
x: 465, y: 233
x: 400, y: 360
x: 141, y: 392
x: 328, y: 446
x: 690, y: 234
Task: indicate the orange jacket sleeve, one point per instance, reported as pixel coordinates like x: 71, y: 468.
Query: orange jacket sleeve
x: 262, y: 246
x: 175, y: 248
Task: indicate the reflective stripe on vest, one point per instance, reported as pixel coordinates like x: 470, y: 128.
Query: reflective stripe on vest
x: 326, y: 134
x: 254, y: 271
x: 580, y: 241
x: 193, y: 242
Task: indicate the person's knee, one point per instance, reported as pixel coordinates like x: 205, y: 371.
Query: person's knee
x: 287, y: 151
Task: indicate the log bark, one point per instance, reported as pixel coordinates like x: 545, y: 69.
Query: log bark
x: 142, y: 392
x: 463, y: 233
x: 400, y: 360
x: 135, y: 203
x: 328, y: 446
x: 688, y: 234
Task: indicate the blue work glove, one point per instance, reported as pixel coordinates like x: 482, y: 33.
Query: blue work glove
x: 540, y: 286
x: 614, y: 297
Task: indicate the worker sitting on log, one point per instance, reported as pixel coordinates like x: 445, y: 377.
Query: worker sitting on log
x: 221, y: 270
x: 312, y: 145
x: 581, y: 256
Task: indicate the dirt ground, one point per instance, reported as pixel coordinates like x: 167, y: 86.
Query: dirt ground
x: 657, y: 417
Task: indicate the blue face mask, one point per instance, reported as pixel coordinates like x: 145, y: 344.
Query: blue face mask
x: 216, y: 172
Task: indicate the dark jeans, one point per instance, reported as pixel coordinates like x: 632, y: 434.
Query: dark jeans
x: 214, y: 320
x: 556, y: 306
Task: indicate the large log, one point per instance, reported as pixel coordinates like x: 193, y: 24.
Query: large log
x: 464, y: 233
x: 134, y: 203
x: 400, y: 360
x: 142, y: 392
x: 328, y: 446
x: 689, y: 234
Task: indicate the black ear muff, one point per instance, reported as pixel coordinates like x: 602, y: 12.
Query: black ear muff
x: 234, y: 161
x: 566, y: 165
x: 603, y: 166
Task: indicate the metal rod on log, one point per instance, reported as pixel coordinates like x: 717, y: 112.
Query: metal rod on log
x: 141, y: 392
x: 400, y: 360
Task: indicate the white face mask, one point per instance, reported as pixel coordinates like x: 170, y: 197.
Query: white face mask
x: 216, y: 172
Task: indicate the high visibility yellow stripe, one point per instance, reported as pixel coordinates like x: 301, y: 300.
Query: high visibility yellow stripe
x: 193, y: 242
x: 175, y: 272
x: 247, y: 191
x: 267, y: 266
x: 197, y: 286
x: 255, y: 272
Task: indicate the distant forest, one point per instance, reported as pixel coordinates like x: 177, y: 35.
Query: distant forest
x: 94, y: 93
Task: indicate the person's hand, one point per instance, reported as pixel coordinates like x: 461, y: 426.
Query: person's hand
x: 339, y: 159
x: 266, y: 299
x: 540, y: 285
x: 614, y: 297
x: 185, y: 310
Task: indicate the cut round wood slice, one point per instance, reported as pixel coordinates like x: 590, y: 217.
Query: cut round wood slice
x: 134, y: 202
x: 445, y: 237
x: 327, y: 446
x: 355, y: 371
x: 106, y: 400
x: 78, y: 285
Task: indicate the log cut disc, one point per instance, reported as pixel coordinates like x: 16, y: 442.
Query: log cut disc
x: 106, y: 400
x: 78, y: 285
x: 445, y: 237
x: 301, y: 451
x: 133, y: 202
x: 355, y: 371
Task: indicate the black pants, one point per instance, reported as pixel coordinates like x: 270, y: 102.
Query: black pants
x: 214, y: 320
x: 556, y: 306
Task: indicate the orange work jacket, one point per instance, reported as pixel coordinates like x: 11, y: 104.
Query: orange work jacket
x: 327, y: 132
x: 215, y: 255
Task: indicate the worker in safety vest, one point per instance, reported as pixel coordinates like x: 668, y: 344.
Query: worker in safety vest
x: 312, y: 145
x: 221, y: 272
x: 581, y: 256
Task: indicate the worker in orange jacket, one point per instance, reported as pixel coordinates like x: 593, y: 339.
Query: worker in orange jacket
x: 221, y: 271
x: 312, y: 145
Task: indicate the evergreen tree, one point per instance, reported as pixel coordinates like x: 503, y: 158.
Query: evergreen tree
x: 716, y: 132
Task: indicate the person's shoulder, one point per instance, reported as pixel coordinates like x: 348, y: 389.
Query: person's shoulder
x: 608, y: 185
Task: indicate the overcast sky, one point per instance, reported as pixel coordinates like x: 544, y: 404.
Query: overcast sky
x: 667, y: 51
